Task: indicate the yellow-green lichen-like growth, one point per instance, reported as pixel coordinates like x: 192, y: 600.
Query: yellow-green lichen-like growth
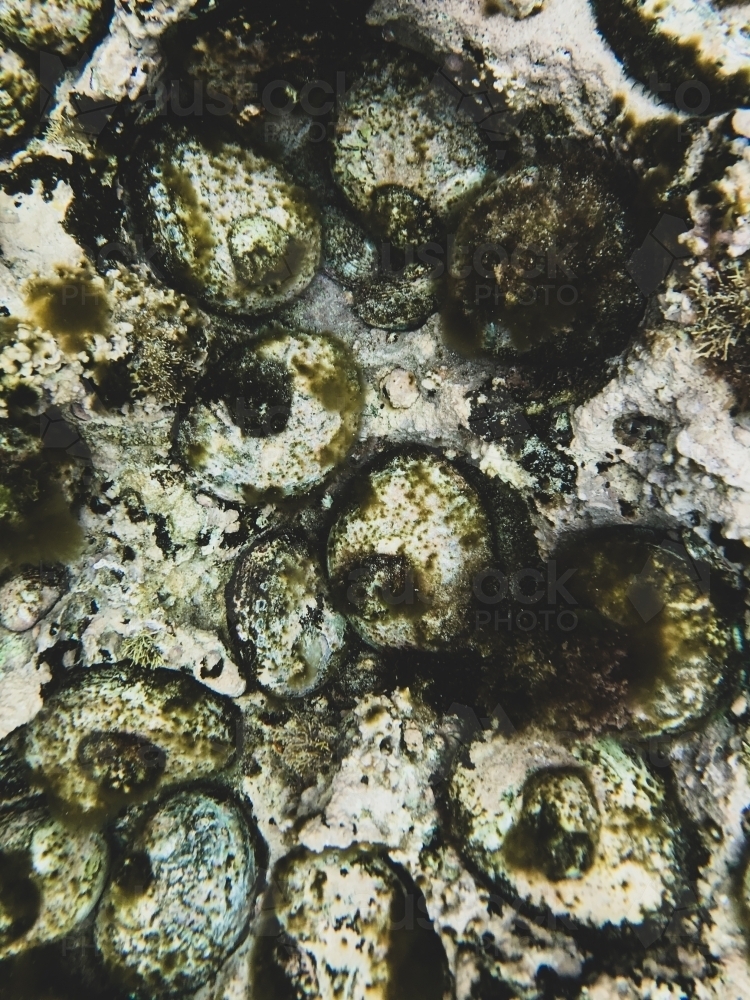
x: 119, y: 735
x: 276, y: 419
x: 228, y: 224
x: 404, y: 553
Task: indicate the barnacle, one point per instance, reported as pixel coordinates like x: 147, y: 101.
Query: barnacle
x: 395, y: 126
x: 678, y: 639
x: 406, y: 159
x: 322, y: 947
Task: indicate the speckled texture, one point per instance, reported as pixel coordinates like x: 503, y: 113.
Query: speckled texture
x: 26, y: 598
x: 653, y: 435
x: 19, y: 93
x: 291, y: 637
x: 633, y: 871
x: 120, y: 734
x: 349, y: 254
x: 541, y: 258
x: 339, y: 913
x: 397, y: 128
x: 405, y: 551
x: 229, y: 225
x: 318, y: 424
x: 181, y: 898
x: 57, y: 25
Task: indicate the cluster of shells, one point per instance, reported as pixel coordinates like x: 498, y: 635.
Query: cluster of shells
x: 337, y: 595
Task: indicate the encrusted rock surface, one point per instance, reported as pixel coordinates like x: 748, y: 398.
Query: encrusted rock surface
x: 195, y: 419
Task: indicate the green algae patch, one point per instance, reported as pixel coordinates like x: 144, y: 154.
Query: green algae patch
x: 74, y: 307
x: 46, y: 531
x: 335, y: 383
x: 196, y: 455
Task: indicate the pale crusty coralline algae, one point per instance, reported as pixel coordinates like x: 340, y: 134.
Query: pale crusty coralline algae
x: 27, y: 597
